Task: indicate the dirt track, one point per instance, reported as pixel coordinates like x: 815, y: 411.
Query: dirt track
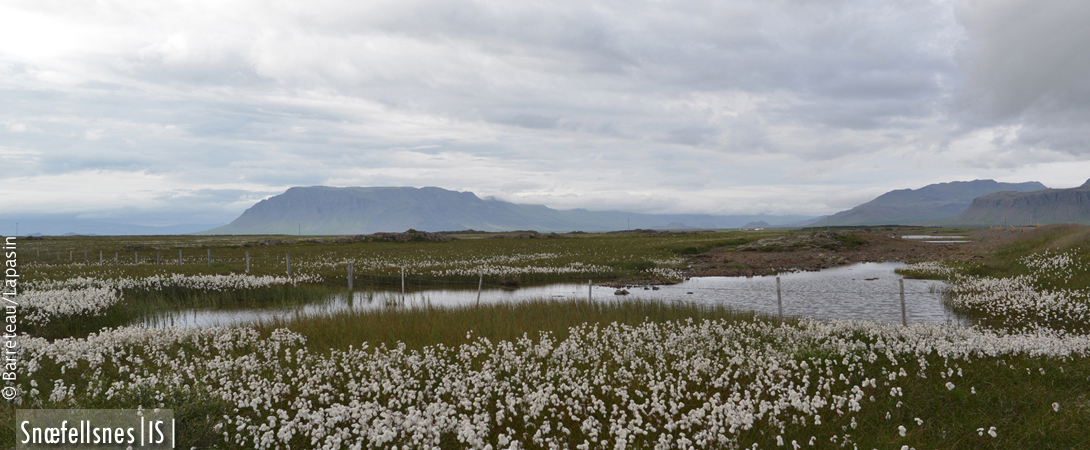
x: 880, y: 246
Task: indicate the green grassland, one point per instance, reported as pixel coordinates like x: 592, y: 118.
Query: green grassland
x: 624, y: 254
x: 1032, y: 401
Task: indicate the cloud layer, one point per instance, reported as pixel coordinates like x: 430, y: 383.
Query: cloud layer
x: 170, y: 112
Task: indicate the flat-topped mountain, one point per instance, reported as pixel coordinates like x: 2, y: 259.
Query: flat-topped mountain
x: 933, y: 202
x: 363, y: 210
x: 1029, y: 208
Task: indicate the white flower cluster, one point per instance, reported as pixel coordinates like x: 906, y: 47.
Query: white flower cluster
x: 197, y: 282
x: 513, y: 264
x: 676, y: 261
x: 493, y: 270
x: 49, y: 300
x: 44, y: 306
x: 665, y: 272
x: 1020, y: 303
x: 428, y: 261
x: 1062, y: 266
x: 1038, y: 299
x: 930, y: 268
x: 684, y: 385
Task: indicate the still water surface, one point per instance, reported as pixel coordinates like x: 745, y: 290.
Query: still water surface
x: 865, y: 291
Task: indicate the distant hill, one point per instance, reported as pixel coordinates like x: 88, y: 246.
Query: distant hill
x: 933, y: 202
x: 1029, y: 208
x: 69, y: 225
x: 360, y: 210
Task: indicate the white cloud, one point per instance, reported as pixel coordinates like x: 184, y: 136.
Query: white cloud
x: 720, y: 107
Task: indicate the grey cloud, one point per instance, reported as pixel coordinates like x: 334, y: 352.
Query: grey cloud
x: 531, y: 121
x: 544, y: 96
x: 691, y: 135
x: 1028, y: 64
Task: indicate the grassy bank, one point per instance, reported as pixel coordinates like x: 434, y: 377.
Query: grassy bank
x: 503, y: 261
x: 1041, y: 280
x: 424, y: 326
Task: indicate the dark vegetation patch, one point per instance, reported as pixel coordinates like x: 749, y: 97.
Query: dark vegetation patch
x: 829, y: 240
x: 695, y: 249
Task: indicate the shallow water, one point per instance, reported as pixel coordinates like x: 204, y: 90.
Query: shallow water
x: 864, y: 291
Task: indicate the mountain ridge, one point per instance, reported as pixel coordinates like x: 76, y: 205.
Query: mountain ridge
x: 362, y: 210
x: 1048, y: 206
x: 934, y: 202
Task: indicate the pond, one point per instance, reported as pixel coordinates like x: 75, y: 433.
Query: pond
x: 864, y: 291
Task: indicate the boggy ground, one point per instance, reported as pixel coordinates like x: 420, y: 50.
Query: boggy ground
x: 824, y: 249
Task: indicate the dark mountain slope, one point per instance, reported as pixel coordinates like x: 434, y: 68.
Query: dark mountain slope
x: 929, y: 203
x: 362, y: 210
x: 1029, y: 208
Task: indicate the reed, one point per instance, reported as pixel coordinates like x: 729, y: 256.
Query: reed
x: 421, y: 326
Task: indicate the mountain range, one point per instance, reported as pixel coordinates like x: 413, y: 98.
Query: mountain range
x: 1028, y: 208
x: 361, y: 210
x: 931, y: 204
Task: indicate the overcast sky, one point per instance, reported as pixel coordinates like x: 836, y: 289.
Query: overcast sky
x: 191, y: 111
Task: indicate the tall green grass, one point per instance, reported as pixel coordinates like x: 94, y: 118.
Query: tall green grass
x: 417, y: 327
x: 626, y: 256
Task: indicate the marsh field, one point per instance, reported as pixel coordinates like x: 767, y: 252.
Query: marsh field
x: 556, y: 373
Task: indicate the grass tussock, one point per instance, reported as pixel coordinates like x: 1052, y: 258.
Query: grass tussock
x: 418, y: 327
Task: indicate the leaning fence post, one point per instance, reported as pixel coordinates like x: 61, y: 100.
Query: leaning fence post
x: 480, y: 283
x: 402, y: 284
x: 590, y: 288
x: 349, y: 270
x: 158, y: 258
x: 287, y: 260
x: 779, y: 298
x: 904, y: 316
x: 247, y: 262
x: 117, y: 260
x: 100, y: 257
x: 69, y: 256
x: 209, y: 258
x: 179, y: 256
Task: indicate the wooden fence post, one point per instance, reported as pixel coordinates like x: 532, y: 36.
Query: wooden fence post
x: 779, y: 298
x: 904, y: 316
x: 480, y: 283
x: 350, y: 275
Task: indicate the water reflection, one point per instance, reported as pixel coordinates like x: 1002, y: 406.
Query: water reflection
x: 866, y: 291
